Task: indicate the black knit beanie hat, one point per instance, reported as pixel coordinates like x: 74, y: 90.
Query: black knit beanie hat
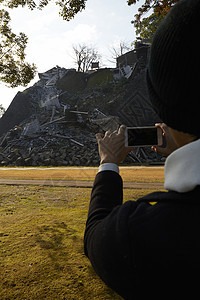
x: 173, y: 73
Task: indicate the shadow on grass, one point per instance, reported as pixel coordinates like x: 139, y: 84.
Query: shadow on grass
x: 62, y: 253
x: 55, y: 240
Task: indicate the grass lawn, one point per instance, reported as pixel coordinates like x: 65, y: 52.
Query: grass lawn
x: 41, y: 244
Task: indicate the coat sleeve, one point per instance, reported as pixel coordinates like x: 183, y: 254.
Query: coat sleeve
x: 106, y: 239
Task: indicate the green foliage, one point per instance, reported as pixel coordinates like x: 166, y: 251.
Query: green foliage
x: 69, y: 8
x: 147, y: 27
x: 13, y: 69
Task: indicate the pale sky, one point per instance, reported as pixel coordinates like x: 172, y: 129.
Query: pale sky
x: 103, y: 24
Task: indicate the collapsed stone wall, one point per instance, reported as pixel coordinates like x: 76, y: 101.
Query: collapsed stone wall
x: 53, y: 149
x: 54, y: 122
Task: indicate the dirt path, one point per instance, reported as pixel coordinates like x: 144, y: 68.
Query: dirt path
x: 78, y: 183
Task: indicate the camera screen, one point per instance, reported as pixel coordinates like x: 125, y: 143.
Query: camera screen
x: 142, y: 136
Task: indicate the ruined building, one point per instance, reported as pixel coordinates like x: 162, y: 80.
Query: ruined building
x: 54, y: 122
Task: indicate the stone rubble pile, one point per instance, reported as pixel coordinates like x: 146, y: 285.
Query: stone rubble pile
x: 53, y: 144
x: 50, y: 150
x: 60, y: 142
x: 54, y: 122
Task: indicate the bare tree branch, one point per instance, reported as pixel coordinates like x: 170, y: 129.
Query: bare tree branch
x: 84, y: 56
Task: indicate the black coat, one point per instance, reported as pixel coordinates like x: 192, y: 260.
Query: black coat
x: 141, y: 249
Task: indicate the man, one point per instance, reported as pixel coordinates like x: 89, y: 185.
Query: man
x: 137, y: 248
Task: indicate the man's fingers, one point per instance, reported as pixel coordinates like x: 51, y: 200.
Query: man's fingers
x: 122, y: 129
x: 99, y: 136
x: 163, y: 126
x: 108, y: 133
x: 160, y: 150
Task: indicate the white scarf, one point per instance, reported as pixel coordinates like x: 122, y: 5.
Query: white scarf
x: 182, y: 168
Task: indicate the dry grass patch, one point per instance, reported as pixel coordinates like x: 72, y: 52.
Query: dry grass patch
x: 143, y: 174
x: 135, y: 174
